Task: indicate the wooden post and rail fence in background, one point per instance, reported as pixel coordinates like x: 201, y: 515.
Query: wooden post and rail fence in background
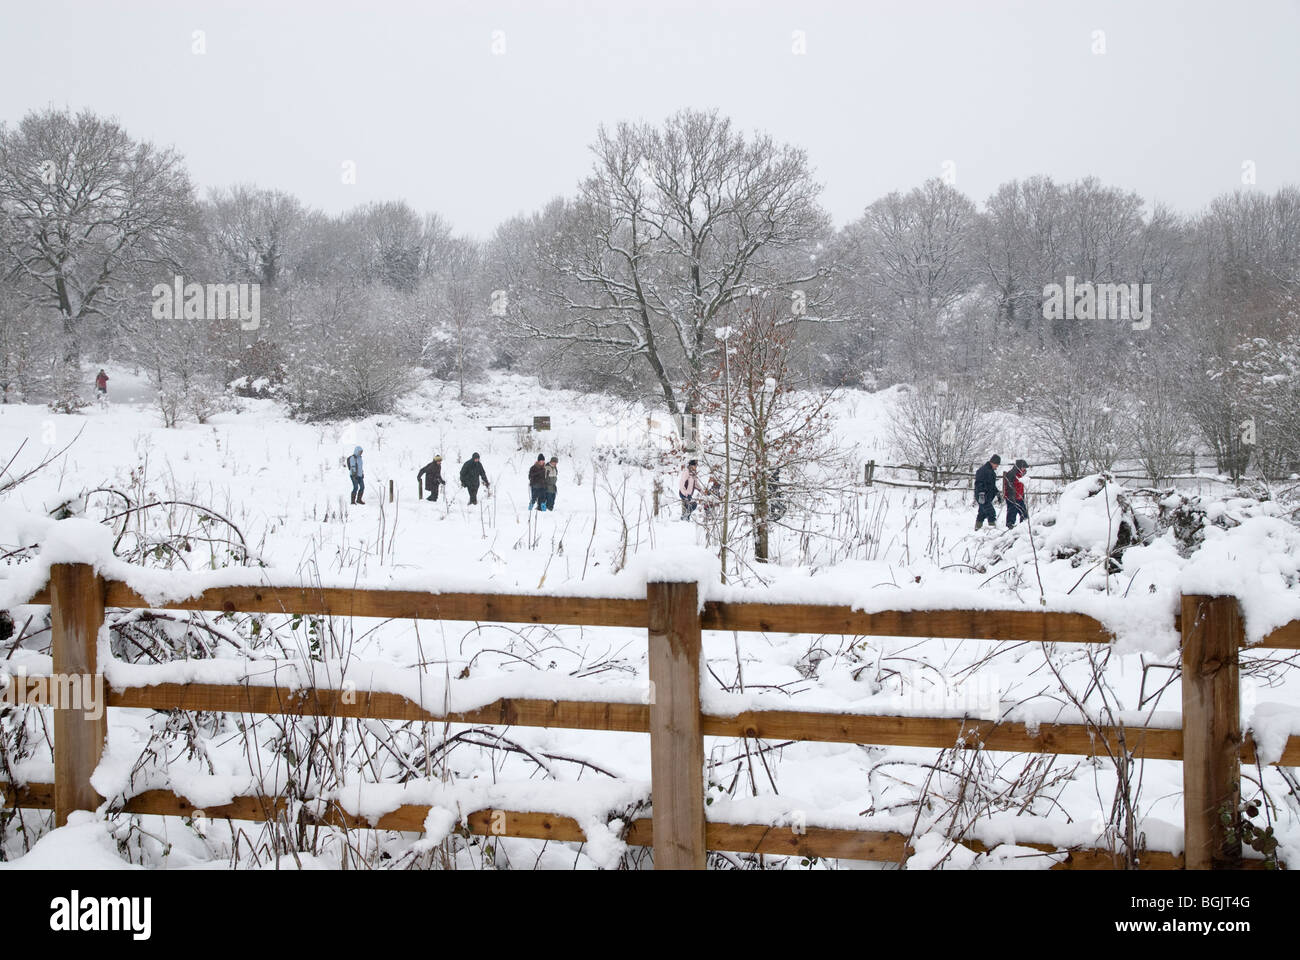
x: 934, y: 476
x: 1210, y: 743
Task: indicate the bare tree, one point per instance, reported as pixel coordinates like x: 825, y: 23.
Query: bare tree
x: 940, y: 425
x: 458, y: 324
x: 776, y: 444
x: 673, y: 225
x: 1021, y: 246
x: 1160, y: 428
x: 89, y: 210
x: 391, y: 240
x: 1078, y: 416
x: 916, y: 248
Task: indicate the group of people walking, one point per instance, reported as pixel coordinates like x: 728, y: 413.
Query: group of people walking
x: 472, y: 476
x: 543, y: 478
x: 429, y: 477
x: 1012, y: 492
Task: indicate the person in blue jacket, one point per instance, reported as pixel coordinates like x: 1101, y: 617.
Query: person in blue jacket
x: 986, y: 492
x: 356, y: 471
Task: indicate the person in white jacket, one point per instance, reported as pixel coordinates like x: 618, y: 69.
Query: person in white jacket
x: 688, y: 487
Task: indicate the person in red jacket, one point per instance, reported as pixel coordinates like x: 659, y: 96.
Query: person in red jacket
x: 101, y: 383
x: 1013, y: 491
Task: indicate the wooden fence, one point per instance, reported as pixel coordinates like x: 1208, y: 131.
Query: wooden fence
x: 1210, y: 743
x: 933, y: 476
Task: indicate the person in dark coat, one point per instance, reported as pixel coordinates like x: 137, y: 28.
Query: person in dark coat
x: 986, y: 492
x: 471, y: 474
x: 1013, y: 488
x: 431, y: 475
x: 537, y: 483
x: 552, y: 480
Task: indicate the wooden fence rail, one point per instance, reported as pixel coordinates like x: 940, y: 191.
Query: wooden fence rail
x: 1210, y: 743
x: 929, y: 474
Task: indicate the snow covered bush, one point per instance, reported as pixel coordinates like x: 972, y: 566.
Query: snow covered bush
x: 1160, y: 429
x: 1272, y: 371
x: 257, y: 369
x: 940, y: 425
x: 1081, y: 422
x: 67, y: 389
x: 345, y: 364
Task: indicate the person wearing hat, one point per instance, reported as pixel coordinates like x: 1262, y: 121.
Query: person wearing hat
x: 471, y: 473
x: 537, y: 483
x: 986, y: 492
x: 431, y: 475
x: 1013, y: 488
x: 552, y: 478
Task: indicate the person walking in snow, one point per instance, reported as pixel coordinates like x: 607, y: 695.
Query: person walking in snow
x: 101, y: 383
x: 356, y: 470
x: 1013, y: 488
x: 552, y: 479
x: 431, y: 475
x: 471, y: 474
x: 688, y: 487
x: 537, y: 483
x: 986, y: 491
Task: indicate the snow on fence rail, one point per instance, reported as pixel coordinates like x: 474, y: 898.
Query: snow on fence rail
x: 1210, y: 743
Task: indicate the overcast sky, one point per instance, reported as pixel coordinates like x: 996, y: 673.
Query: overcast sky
x: 885, y: 95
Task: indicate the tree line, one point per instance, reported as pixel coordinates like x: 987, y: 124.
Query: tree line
x: 621, y: 285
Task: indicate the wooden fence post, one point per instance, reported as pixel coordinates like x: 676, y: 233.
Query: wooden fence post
x: 76, y: 613
x: 676, y: 736
x: 1212, y: 634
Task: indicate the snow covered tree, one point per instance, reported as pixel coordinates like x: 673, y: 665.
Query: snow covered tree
x: 1271, y: 370
x: 775, y: 446
x: 88, y: 210
x: 392, y: 243
x: 1079, y: 418
x: 939, y: 425
x: 1160, y: 428
x: 915, y: 249
x: 342, y: 361
x: 454, y: 333
x: 673, y: 225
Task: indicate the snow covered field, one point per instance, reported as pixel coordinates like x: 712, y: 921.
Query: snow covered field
x: 280, y: 484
